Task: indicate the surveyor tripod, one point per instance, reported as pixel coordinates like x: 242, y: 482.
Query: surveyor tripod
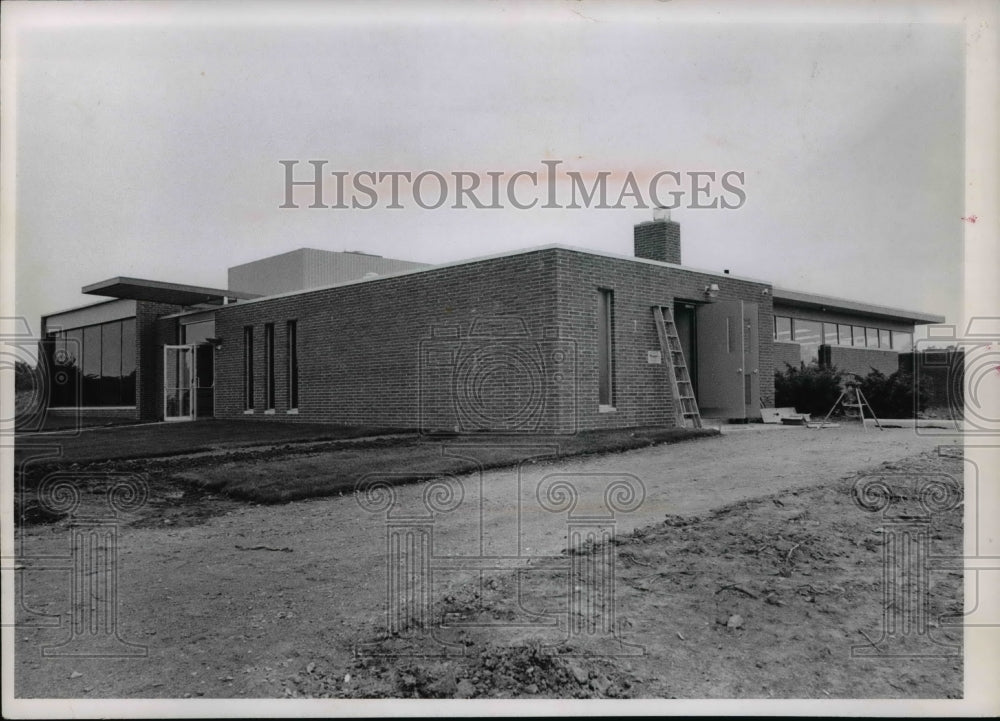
x: 852, y: 397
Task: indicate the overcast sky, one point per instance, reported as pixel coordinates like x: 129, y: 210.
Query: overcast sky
x: 150, y: 146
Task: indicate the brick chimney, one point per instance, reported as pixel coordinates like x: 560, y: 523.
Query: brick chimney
x: 658, y: 239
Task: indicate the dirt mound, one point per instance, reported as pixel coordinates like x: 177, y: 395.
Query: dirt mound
x: 489, y: 672
x: 725, y: 602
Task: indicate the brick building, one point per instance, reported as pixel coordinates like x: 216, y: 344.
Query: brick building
x: 549, y: 339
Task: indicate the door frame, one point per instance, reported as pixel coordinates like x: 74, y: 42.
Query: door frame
x: 196, y: 379
x: 690, y: 308
x: 192, y: 413
x: 726, y: 358
x: 192, y: 386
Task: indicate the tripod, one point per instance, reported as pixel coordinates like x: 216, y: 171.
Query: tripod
x: 854, y: 399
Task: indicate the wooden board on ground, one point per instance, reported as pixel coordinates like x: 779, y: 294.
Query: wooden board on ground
x: 774, y: 415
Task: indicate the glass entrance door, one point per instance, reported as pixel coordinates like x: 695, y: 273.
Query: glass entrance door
x: 204, y: 380
x: 178, y: 383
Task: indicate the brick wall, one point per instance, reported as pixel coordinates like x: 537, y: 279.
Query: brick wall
x: 641, y: 389
x: 786, y: 353
x: 396, y: 352
x: 846, y: 358
x: 152, y: 332
x: 658, y: 240
x: 861, y: 360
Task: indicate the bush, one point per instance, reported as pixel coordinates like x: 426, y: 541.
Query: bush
x: 892, y: 396
x: 810, y: 389
x: 25, y: 376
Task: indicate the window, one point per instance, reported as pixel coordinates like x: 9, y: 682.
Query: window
x: 871, y: 336
x: 844, y: 335
x: 902, y: 342
x: 292, y: 353
x: 808, y: 334
x: 128, y: 362
x: 830, y: 333
x: 248, y: 368
x: 605, y: 348
x: 91, y: 365
x: 859, y: 336
x: 63, y: 370
x: 269, y: 363
x: 109, y: 387
x: 98, y: 362
x: 74, y: 365
x: 782, y: 329
x: 883, y: 339
x: 199, y: 332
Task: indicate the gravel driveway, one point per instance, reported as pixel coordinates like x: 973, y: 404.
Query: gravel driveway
x: 225, y: 606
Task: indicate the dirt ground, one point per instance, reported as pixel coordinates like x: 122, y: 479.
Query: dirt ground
x: 274, y: 601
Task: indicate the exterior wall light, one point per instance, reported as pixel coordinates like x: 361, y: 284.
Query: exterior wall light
x: 712, y: 290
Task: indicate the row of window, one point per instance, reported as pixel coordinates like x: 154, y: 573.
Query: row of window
x: 291, y: 360
x: 810, y: 334
x: 94, y: 365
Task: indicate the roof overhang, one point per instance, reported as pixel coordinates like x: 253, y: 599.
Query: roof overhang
x: 160, y: 292
x: 824, y: 302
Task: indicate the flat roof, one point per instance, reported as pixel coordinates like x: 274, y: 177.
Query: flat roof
x: 161, y: 292
x: 80, y: 307
x: 826, y: 302
x: 789, y: 297
x: 188, y: 295
x: 507, y: 254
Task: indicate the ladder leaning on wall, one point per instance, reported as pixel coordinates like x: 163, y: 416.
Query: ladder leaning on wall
x: 685, y: 407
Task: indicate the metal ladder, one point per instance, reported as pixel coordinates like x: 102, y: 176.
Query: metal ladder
x: 686, y: 407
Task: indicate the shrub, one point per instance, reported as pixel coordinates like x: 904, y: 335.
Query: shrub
x: 25, y: 376
x: 809, y: 389
x: 892, y: 396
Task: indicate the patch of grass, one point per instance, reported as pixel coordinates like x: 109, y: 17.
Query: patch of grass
x: 331, y: 472
x: 73, y: 422
x: 167, y: 439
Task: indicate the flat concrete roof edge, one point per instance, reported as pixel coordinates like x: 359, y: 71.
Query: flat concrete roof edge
x: 794, y: 297
x: 82, y: 307
x: 95, y: 288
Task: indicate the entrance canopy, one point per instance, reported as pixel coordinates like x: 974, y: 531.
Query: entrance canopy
x: 160, y: 292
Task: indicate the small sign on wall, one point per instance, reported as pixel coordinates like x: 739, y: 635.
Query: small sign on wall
x: 654, y: 356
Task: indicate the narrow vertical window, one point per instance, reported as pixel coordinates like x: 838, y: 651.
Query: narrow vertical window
x: 269, y: 363
x: 248, y: 368
x: 605, y: 348
x: 292, y: 338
